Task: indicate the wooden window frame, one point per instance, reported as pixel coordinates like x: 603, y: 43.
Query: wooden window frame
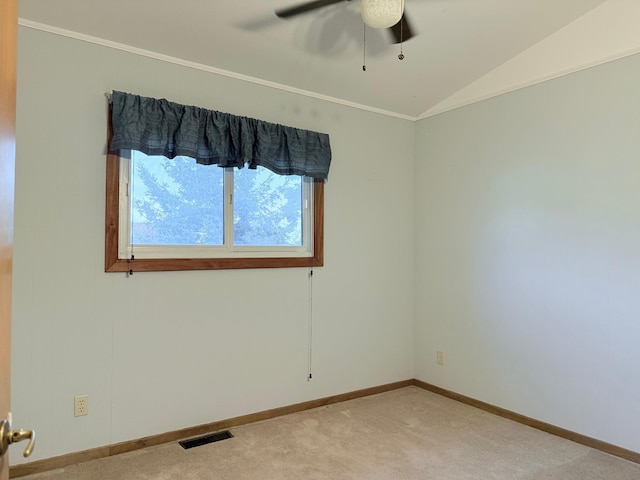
x: 115, y: 264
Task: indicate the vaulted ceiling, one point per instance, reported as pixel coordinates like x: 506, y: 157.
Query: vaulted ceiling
x: 461, y: 52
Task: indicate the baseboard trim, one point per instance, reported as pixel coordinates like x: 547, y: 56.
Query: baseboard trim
x: 537, y: 424
x: 61, y: 461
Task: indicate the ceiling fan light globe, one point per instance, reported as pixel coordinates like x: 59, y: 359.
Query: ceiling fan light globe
x: 381, y: 13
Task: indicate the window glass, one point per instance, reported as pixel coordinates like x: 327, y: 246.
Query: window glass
x: 176, y: 202
x: 267, y: 208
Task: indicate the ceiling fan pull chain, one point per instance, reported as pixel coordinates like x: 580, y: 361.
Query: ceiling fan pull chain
x: 364, y: 47
x: 401, y: 56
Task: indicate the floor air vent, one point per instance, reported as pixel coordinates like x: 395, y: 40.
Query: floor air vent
x: 197, y: 442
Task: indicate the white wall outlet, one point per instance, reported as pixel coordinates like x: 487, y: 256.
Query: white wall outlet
x: 440, y: 358
x: 80, y: 405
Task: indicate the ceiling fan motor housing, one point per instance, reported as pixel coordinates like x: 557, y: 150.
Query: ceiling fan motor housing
x: 381, y: 13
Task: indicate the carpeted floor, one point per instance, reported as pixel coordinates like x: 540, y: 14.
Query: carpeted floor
x: 406, y: 434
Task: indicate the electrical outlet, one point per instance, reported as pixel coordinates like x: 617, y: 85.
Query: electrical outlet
x: 80, y: 405
x: 440, y: 358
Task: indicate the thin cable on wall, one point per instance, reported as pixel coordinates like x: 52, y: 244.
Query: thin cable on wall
x: 310, y: 318
x: 132, y: 189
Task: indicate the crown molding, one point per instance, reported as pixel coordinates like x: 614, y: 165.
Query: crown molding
x: 206, y: 68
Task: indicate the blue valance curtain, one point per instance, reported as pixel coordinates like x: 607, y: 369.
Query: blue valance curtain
x: 160, y: 127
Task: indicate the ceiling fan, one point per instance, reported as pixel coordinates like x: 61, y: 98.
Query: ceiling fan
x: 401, y: 31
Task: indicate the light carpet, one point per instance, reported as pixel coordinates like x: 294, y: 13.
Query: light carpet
x: 404, y: 434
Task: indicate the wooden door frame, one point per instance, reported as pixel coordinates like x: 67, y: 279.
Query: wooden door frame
x: 8, y: 60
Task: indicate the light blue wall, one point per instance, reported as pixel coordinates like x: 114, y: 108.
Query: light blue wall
x: 162, y: 351
x: 528, y: 251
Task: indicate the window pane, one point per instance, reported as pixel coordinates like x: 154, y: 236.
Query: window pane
x: 267, y: 208
x: 176, y: 202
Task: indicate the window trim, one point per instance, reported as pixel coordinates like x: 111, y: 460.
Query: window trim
x: 115, y: 264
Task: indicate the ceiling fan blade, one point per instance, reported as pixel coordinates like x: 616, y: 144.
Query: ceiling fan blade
x: 401, y: 31
x: 304, y: 7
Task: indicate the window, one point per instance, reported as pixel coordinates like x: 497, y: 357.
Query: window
x: 202, y: 212
x: 179, y: 215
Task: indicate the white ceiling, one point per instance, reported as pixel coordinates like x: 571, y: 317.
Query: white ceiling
x: 457, y: 42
